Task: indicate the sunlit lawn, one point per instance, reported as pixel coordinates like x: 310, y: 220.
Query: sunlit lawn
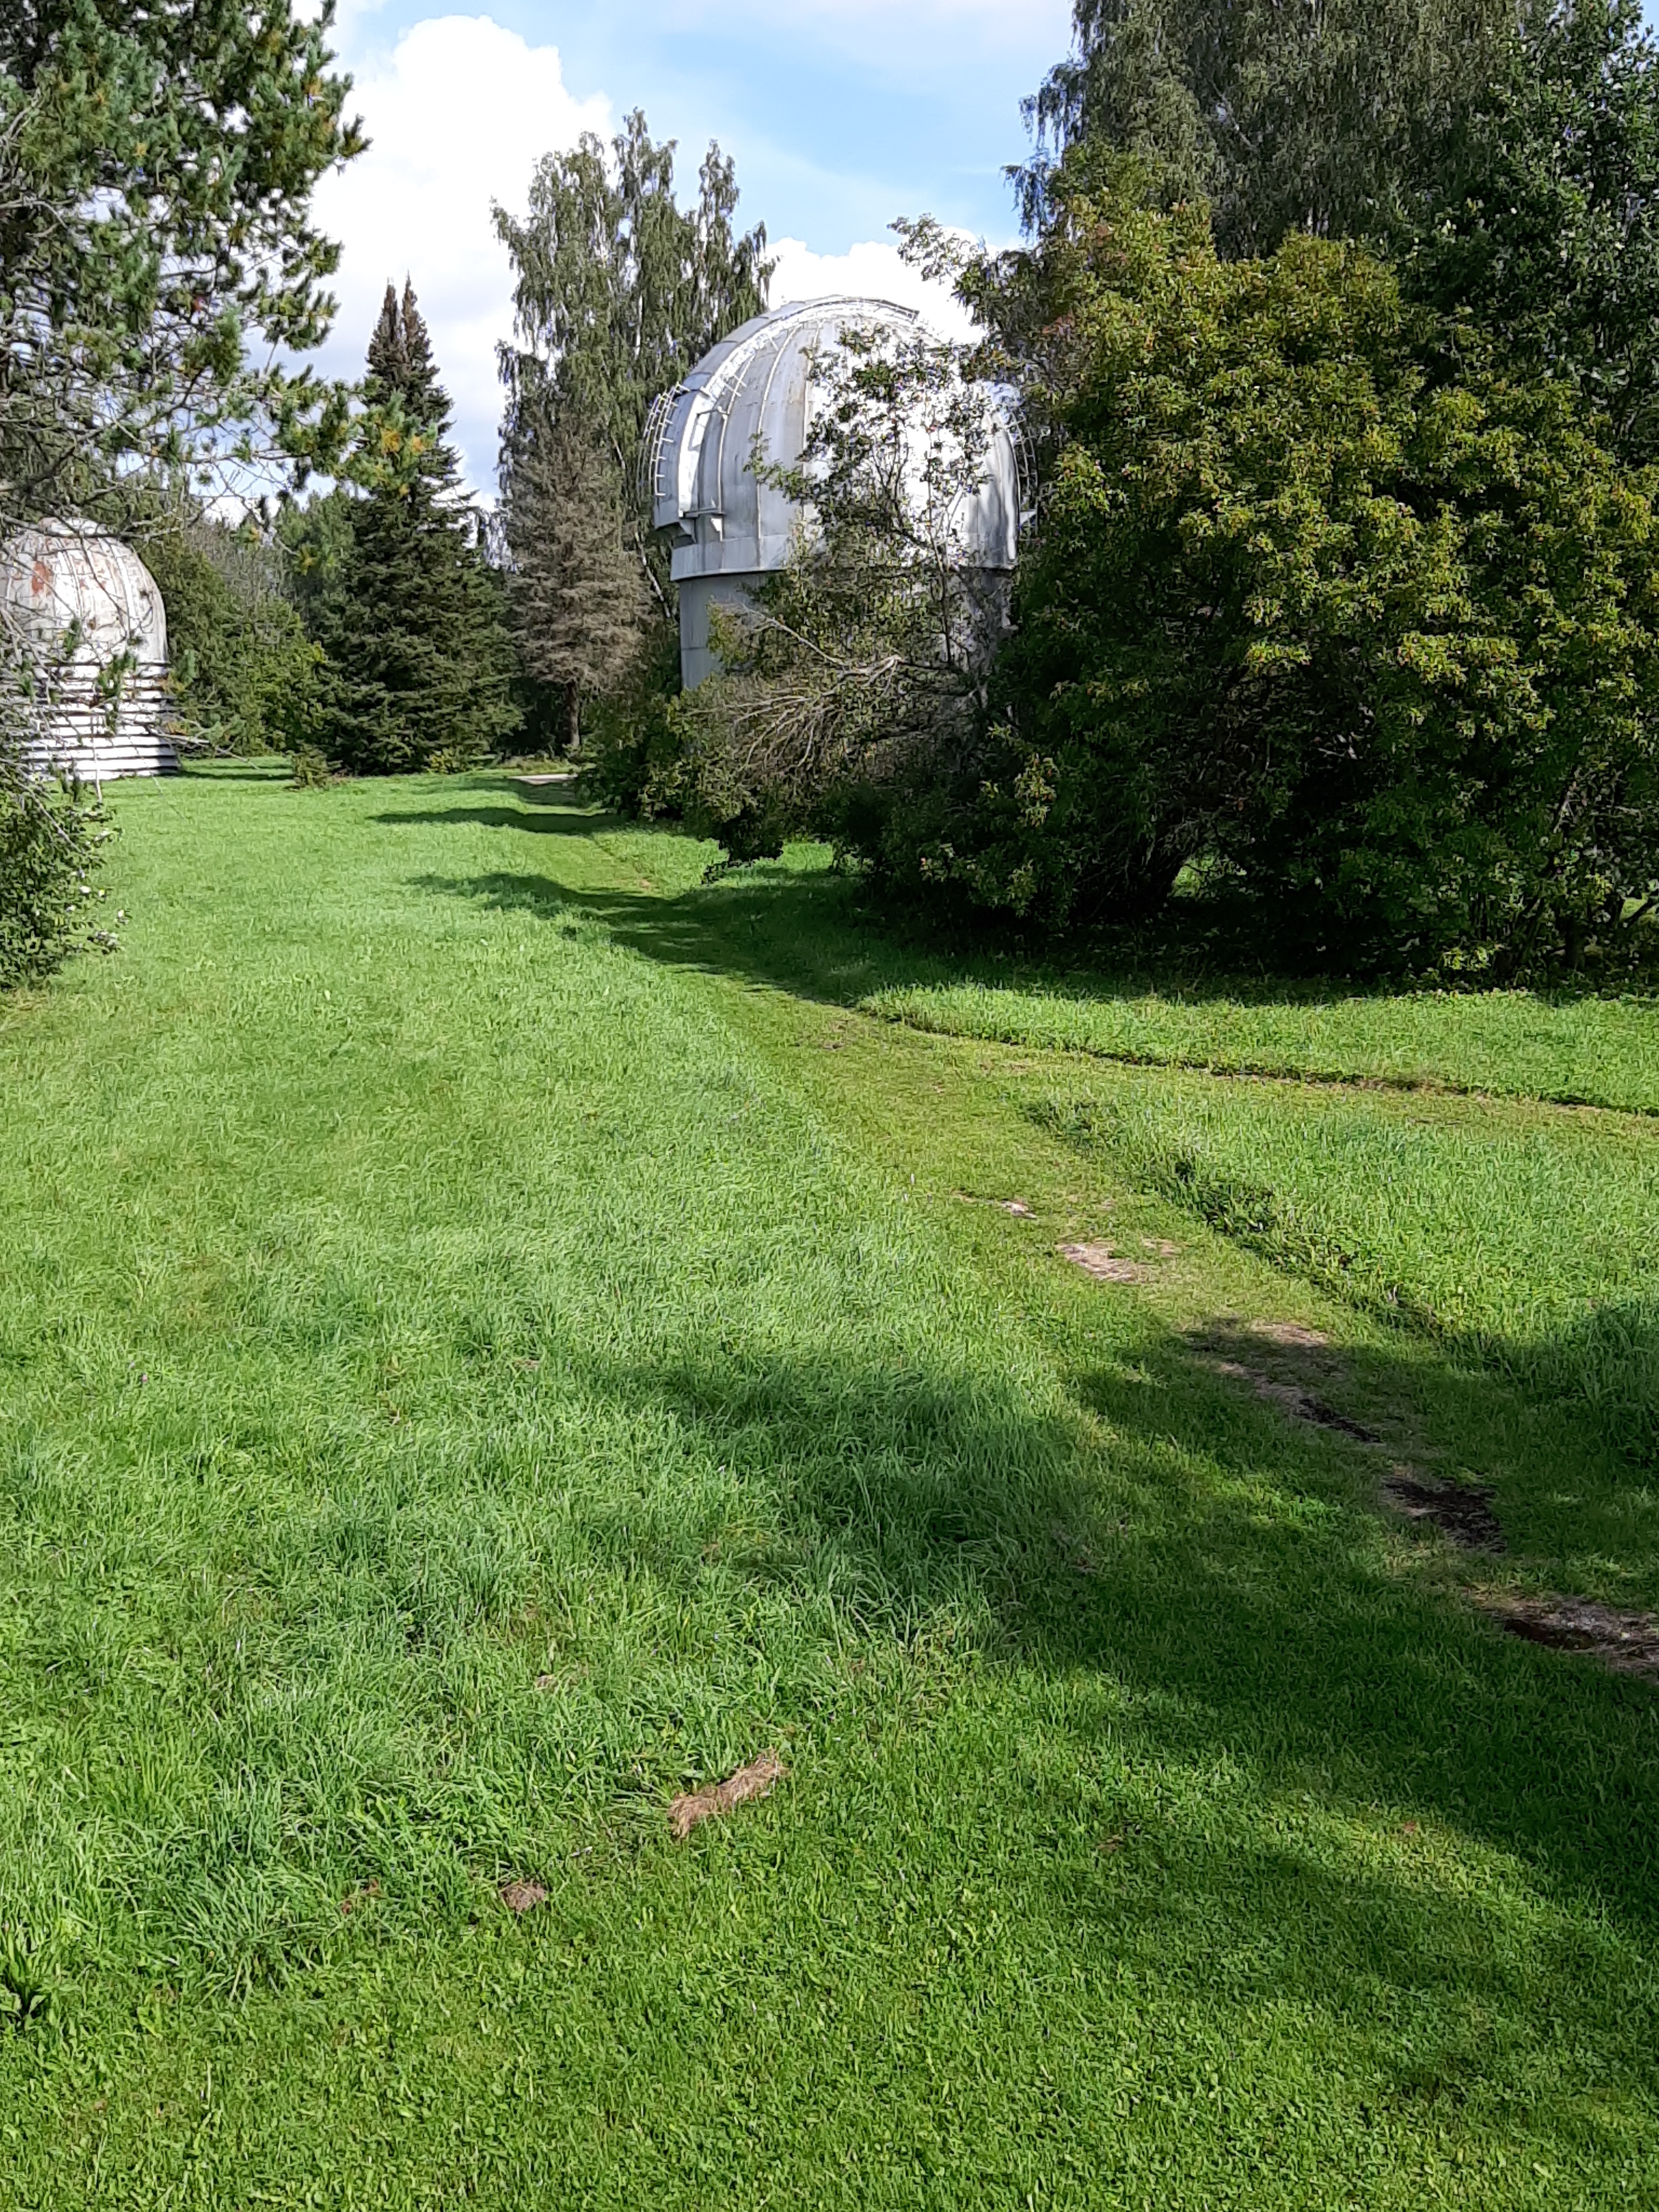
x: 491, y: 1334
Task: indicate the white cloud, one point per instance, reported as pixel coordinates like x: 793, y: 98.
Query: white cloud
x: 458, y: 112
x: 872, y: 270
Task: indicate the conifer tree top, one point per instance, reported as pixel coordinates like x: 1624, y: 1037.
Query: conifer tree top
x: 401, y: 369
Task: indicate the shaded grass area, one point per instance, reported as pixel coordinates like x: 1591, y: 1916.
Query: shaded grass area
x: 473, y: 1363
x: 1511, y: 1234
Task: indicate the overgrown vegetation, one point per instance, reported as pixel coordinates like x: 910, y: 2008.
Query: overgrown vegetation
x: 852, y: 685
x: 51, y: 839
x: 1374, y: 641
x: 245, y: 675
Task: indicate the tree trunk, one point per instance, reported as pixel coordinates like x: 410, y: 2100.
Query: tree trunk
x: 572, y: 718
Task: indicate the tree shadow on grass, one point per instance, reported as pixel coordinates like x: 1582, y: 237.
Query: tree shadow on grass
x: 1210, y: 1586
x: 553, y: 818
x: 1191, y: 956
x: 1257, y: 1604
x: 807, y: 934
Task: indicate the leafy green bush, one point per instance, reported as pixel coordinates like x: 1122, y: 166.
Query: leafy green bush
x: 1322, y: 605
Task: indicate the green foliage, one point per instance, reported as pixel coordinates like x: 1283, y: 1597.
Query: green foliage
x: 312, y: 771
x: 618, y: 291
x: 156, y: 162
x: 419, y: 662
x: 1331, y: 119
x: 1545, y: 226
x: 631, y: 742
x: 314, y: 535
x: 578, y: 590
x: 52, y: 837
x: 1379, y: 647
x: 245, y: 675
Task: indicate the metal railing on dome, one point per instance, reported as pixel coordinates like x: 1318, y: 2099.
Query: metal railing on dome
x: 650, y: 487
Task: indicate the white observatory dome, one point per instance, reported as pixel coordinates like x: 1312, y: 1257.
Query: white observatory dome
x: 756, y: 392
x: 75, y: 600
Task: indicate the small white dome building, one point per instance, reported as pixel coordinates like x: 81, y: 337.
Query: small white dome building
x: 758, y: 385
x: 79, y: 602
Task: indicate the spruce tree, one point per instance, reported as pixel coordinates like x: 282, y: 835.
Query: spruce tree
x: 420, y: 661
x: 578, y: 595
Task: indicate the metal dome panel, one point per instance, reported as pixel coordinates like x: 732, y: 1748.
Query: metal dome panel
x: 754, y: 396
x: 76, y: 601
x: 61, y: 576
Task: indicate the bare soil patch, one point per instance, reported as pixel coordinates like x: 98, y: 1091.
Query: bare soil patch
x: 1104, y: 1264
x: 1280, y: 1360
x: 521, y: 1896
x: 1628, y: 1643
x: 1290, y: 1334
x: 1460, y: 1511
x: 1300, y: 1404
x: 690, y: 1809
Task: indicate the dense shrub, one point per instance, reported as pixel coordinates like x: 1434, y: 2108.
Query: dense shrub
x: 630, y: 744
x: 50, y: 835
x: 1323, y: 604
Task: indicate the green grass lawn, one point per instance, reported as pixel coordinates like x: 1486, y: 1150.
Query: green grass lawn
x: 1579, y: 1051
x: 491, y: 1334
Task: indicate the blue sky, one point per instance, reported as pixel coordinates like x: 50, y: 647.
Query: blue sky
x: 841, y: 114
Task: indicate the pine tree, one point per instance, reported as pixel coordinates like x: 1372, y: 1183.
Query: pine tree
x: 420, y: 661
x: 578, y: 595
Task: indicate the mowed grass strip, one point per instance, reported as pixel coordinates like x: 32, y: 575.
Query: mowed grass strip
x: 474, y: 1366
x: 1601, y: 1052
